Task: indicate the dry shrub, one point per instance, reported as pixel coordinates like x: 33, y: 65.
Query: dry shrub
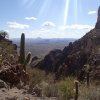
x: 37, y: 76
x: 66, y: 89
x: 91, y: 93
x: 63, y: 89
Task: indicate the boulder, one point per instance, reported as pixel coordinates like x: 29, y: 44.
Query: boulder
x: 3, y: 84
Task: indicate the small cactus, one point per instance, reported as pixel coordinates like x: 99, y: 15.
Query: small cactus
x: 88, y: 79
x: 76, y: 90
x: 28, y: 57
x: 22, y: 49
x: 88, y: 75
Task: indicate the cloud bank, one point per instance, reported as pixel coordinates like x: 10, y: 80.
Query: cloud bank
x: 75, y: 26
x: 16, y: 25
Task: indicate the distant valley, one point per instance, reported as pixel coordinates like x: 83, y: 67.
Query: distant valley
x: 40, y: 47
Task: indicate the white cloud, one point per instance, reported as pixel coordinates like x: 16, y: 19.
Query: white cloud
x: 47, y: 34
x: 30, y: 18
x: 16, y: 25
x: 48, y: 24
x: 69, y: 31
x: 75, y: 26
x: 92, y: 12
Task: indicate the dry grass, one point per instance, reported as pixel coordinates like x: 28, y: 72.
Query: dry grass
x: 63, y: 89
x: 7, y: 52
x: 91, y: 93
x: 37, y: 76
x: 66, y: 89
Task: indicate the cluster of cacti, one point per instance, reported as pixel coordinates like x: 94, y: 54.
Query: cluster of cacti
x: 22, y: 60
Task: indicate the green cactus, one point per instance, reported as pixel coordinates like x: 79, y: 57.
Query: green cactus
x: 88, y: 79
x: 76, y: 90
x: 22, y: 49
x: 22, y: 60
x: 28, y: 57
x: 88, y: 75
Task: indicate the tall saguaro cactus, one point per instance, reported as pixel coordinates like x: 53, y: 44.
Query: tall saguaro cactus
x: 22, y: 60
x: 22, y: 49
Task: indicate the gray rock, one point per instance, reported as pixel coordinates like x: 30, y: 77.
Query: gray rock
x: 97, y: 26
x: 98, y: 14
x: 3, y: 84
x: 11, y: 98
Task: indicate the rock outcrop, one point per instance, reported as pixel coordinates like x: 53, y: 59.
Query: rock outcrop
x: 11, y: 71
x: 3, y: 84
x: 98, y: 20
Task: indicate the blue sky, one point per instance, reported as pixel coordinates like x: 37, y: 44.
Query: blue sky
x: 48, y: 18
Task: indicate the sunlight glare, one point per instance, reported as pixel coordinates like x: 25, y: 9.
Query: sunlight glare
x: 28, y: 3
x: 44, y: 7
x: 76, y: 10
x: 66, y: 11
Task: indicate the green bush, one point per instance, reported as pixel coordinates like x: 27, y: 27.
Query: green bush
x: 66, y: 88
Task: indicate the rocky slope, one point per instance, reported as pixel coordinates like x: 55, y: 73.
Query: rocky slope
x: 14, y: 81
x: 78, y: 55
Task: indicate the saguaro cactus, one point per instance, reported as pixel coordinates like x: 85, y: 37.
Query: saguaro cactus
x: 28, y: 57
x: 88, y: 75
x: 76, y: 90
x: 22, y: 49
x: 88, y: 79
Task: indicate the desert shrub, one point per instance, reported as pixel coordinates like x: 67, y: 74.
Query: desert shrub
x: 49, y: 90
x: 63, y: 89
x: 66, y: 89
x: 91, y: 93
x: 37, y: 76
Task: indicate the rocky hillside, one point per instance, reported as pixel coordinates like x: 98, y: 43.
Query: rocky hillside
x: 14, y: 79
x: 8, y: 51
x: 81, y: 54
x: 11, y: 72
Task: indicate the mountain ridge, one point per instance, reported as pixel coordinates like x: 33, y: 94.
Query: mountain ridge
x: 72, y: 59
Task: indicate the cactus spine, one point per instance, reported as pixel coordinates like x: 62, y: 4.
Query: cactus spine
x: 76, y: 90
x: 22, y: 49
x: 28, y: 57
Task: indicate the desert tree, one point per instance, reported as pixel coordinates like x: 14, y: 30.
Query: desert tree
x: 4, y: 34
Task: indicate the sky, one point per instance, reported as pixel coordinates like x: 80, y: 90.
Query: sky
x: 48, y: 18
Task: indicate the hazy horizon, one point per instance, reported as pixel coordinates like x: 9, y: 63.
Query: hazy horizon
x: 44, y: 38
